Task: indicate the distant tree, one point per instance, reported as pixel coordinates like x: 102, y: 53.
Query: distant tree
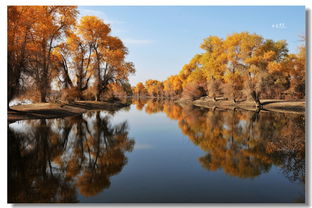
x: 172, y: 86
x: 154, y: 87
x: 139, y: 89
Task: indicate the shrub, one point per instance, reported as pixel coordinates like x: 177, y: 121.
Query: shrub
x: 69, y: 95
x: 193, y: 91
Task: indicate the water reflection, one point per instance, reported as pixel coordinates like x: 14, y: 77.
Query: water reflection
x: 243, y: 144
x: 50, y: 159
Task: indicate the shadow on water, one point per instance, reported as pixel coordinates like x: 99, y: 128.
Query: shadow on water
x: 50, y: 159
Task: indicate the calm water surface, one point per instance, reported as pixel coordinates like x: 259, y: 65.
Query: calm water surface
x: 158, y: 152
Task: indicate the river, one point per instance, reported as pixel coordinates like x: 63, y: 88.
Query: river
x: 158, y: 151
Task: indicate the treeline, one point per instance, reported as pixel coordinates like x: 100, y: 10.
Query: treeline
x: 52, y: 56
x: 242, y: 66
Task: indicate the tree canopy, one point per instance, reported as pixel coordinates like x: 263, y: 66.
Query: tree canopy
x: 51, y: 53
x: 241, y: 66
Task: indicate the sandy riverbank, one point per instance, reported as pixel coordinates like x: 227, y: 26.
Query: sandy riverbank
x: 286, y: 106
x: 54, y: 110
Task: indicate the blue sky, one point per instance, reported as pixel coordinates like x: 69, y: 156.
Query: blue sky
x: 161, y: 40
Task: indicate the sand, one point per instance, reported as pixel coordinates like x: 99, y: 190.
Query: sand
x: 56, y: 110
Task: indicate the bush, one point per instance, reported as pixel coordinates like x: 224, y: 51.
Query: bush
x: 193, y: 91
x: 90, y: 93
x: 70, y: 95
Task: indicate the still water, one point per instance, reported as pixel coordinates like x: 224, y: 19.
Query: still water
x: 156, y: 151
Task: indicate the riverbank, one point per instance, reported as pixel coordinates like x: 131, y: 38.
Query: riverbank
x: 285, y: 106
x: 55, y: 110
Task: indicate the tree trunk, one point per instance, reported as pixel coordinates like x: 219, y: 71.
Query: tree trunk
x: 256, y: 97
x: 44, y: 82
x: 43, y: 75
x: 43, y: 95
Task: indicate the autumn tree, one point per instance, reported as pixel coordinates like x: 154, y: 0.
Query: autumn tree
x: 260, y: 77
x: 172, y: 86
x: 297, y: 72
x: 213, y: 62
x: 154, y: 87
x: 291, y: 70
x: 52, y: 22
x: 20, y: 24
x: 236, y: 69
x: 188, y: 68
x: 48, y: 50
x: 95, y: 33
x: 140, y: 89
x: 244, y: 65
x: 109, y: 53
x: 76, y: 55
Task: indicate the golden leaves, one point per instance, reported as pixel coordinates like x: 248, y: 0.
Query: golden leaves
x: 93, y: 29
x: 274, y: 67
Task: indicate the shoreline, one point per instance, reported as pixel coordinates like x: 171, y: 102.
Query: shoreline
x: 57, y: 110
x: 274, y: 105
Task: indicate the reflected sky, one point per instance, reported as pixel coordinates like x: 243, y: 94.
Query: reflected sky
x: 159, y: 151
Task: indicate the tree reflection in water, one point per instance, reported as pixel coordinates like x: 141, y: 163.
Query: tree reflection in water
x: 243, y: 143
x: 50, y: 159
